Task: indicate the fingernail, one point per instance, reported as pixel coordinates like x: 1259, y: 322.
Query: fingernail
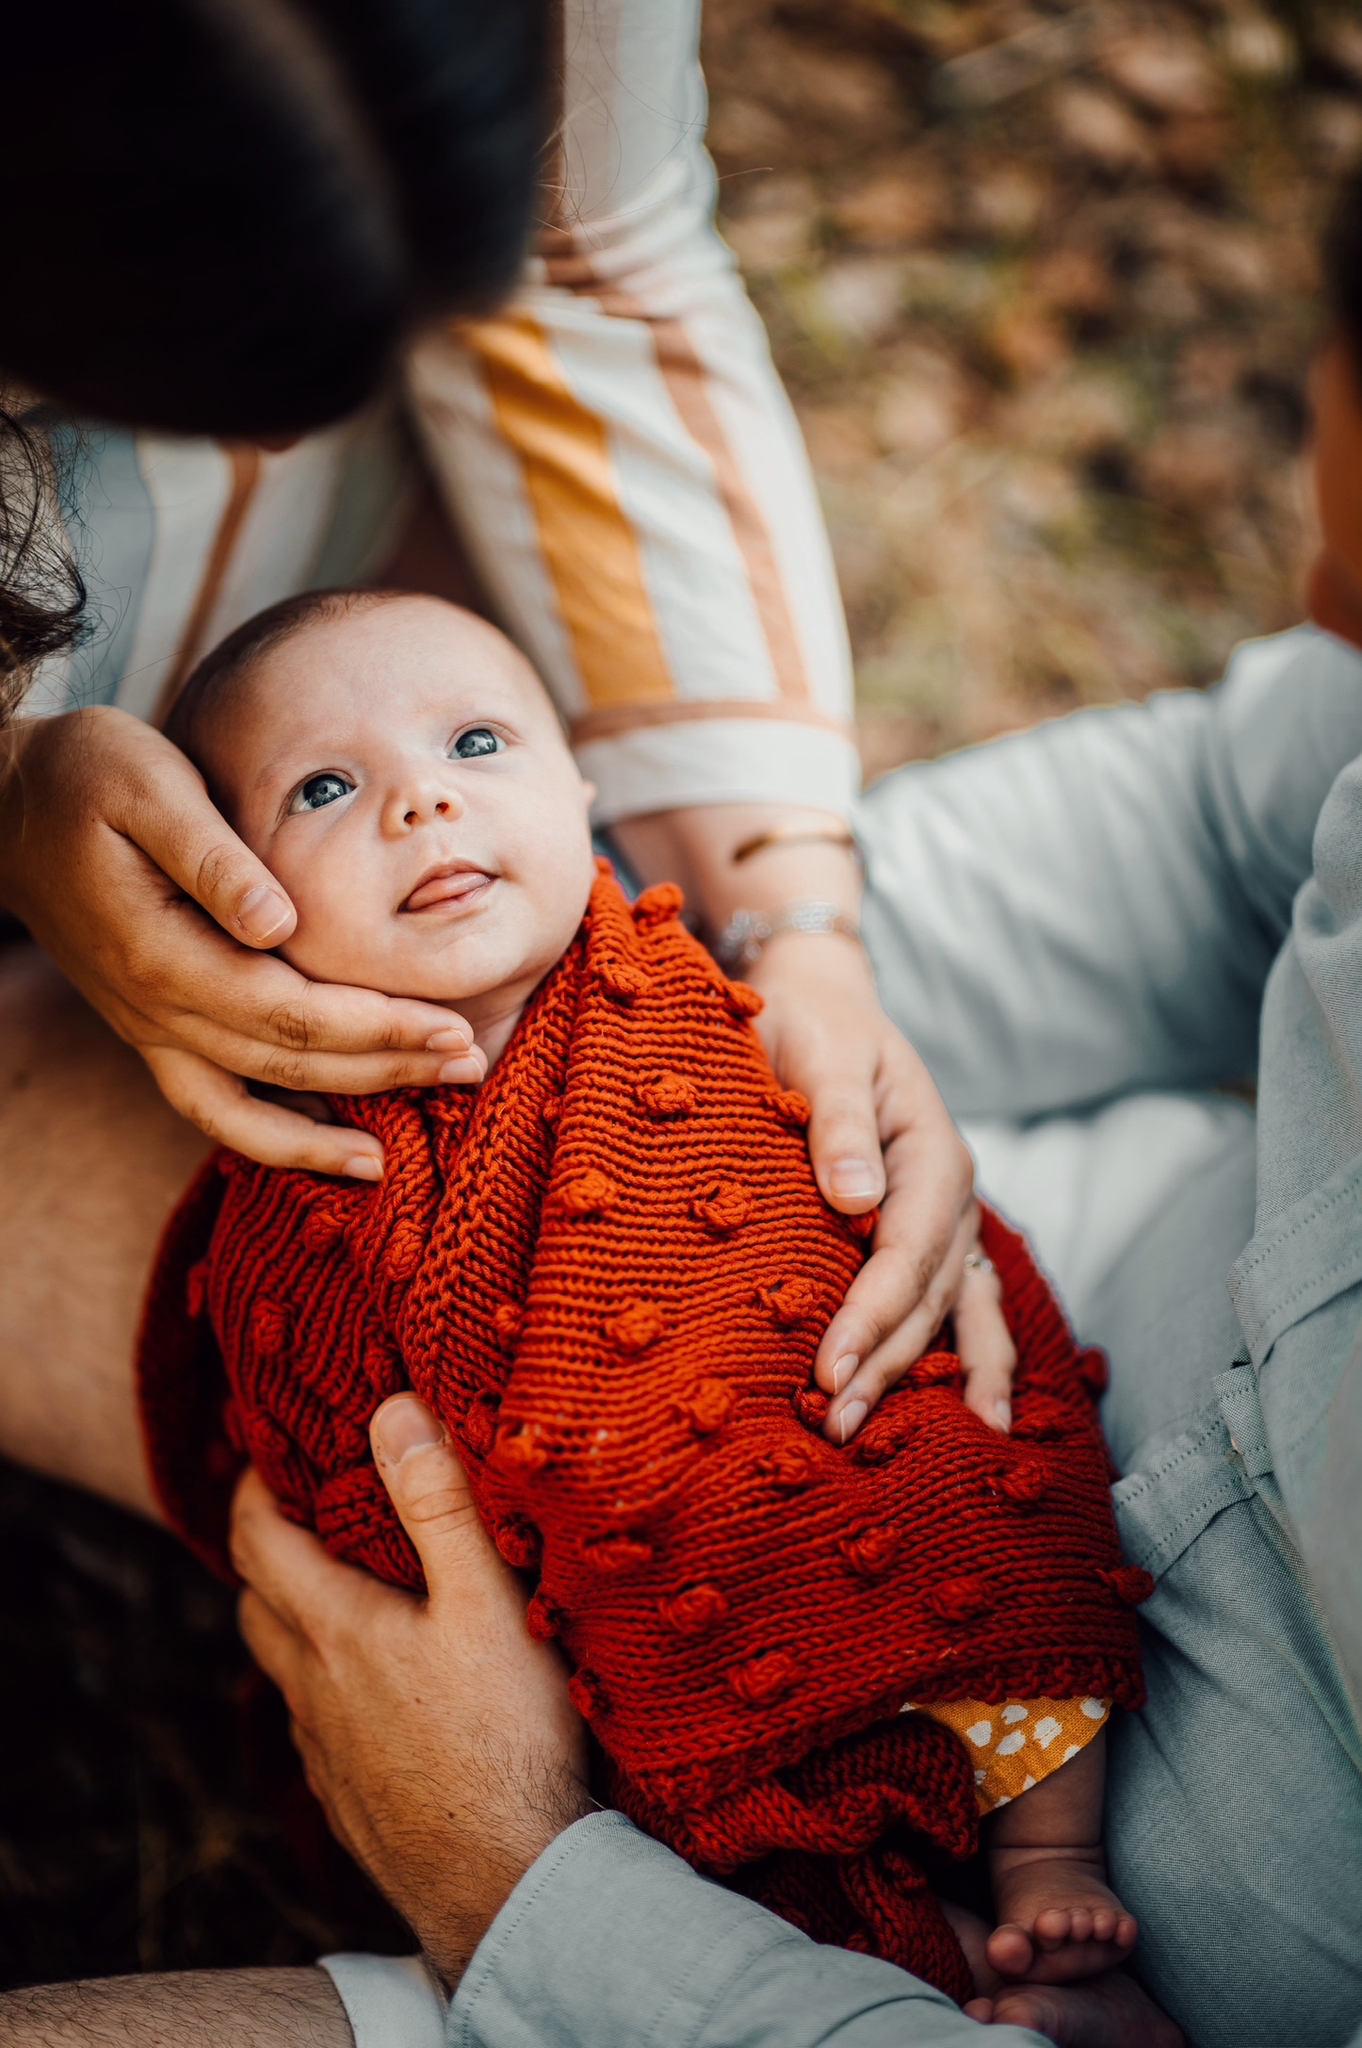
x: 843, y: 1369
x: 405, y: 1425
x: 449, y: 1039
x: 1003, y: 1411
x: 854, y: 1178
x: 466, y: 1068
x: 363, y: 1167
x: 851, y: 1418
x: 261, y: 912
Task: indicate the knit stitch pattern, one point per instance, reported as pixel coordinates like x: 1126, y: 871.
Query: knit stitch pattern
x: 608, y: 1270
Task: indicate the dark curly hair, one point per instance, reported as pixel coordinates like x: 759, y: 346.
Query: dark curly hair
x: 42, y: 595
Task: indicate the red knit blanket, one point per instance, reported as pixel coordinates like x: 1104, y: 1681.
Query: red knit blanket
x: 608, y: 1270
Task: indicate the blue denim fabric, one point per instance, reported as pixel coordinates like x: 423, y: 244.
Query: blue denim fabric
x: 1059, y: 919
x: 1234, y: 1800
x: 610, y: 1941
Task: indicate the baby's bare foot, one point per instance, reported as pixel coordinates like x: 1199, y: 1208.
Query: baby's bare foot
x: 1108, y: 2012
x: 1057, y: 1919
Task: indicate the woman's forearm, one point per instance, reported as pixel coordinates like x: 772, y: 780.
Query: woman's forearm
x: 806, y: 858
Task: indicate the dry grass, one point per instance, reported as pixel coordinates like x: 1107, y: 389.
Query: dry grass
x: 1041, y: 280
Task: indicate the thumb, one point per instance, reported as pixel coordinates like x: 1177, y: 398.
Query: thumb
x: 429, y: 1488
x: 169, y: 814
x: 844, y: 1137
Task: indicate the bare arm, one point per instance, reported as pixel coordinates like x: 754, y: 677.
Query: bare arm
x: 879, y: 1133
x: 180, y: 2009
x: 631, y: 482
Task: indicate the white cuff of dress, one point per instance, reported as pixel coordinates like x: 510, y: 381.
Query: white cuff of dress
x: 728, y: 760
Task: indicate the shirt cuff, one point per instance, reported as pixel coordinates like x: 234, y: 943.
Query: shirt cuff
x: 610, y: 1940
x: 389, y: 1999
x: 730, y: 760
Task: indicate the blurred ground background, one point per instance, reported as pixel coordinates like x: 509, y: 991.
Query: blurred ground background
x: 1041, y: 280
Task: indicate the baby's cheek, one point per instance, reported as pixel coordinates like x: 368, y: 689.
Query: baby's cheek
x: 339, y: 937
x: 316, y: 960
x: 560, y: 906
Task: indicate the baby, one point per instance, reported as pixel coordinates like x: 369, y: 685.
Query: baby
x: 397, y: 765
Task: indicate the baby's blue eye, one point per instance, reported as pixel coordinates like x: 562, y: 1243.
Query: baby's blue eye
x: 319, y: 791
x: 479, y: 740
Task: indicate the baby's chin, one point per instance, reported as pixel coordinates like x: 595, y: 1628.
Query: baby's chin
x: 436, y: 972
x: 381, y: 977
x: 442, y: 955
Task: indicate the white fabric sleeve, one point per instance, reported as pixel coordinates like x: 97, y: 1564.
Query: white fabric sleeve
x: 625, y: 466
x: 390, y: 2001
x: 609, y: 1941
x: 1093, y: 906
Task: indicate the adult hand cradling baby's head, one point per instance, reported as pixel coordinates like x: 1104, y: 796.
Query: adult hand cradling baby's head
x: 396, y: 764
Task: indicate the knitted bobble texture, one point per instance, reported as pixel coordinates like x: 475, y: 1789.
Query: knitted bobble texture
x: 608, y: 1270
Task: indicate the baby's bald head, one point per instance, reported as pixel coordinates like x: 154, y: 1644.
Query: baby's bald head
x: 397, y: 764
x: 214, y: 683
x: 217, y: 687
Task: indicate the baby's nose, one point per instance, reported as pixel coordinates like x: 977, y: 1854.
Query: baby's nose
x: 439, y: 808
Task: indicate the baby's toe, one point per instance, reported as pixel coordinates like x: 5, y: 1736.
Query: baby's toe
x: 980, y: 2009
x: 1127, y: 1931
x: 1010, y: 1950
x: 1055, y: 1926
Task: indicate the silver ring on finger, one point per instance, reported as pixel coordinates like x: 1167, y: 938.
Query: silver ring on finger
x: 977, y: 1262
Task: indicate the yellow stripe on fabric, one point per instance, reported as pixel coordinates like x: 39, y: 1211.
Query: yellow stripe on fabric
x: 591, y: 550
x: 1014, y: 1745
x: 688, y: 382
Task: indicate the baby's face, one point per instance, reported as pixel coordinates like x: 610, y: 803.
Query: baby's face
x: 403, y: 774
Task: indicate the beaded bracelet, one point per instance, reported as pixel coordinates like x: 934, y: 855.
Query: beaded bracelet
x: 748, y: 931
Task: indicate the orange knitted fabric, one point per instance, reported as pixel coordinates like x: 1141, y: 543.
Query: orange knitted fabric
x: 608, y: 1271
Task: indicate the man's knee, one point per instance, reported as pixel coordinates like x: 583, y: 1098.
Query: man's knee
x: 1234, y: 1813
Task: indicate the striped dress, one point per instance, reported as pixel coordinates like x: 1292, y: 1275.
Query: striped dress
x: 615, y: 450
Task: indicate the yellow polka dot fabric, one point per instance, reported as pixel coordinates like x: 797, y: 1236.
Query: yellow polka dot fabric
x: 1014, y: 1745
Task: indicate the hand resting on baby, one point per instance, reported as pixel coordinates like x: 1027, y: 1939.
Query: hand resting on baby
x: 398, y: 766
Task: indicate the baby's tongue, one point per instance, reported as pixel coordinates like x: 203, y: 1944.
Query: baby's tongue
x: 444, y: 888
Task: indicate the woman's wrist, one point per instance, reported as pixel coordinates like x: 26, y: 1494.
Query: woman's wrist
x: 811, y: 965
x: 743, y: 940
x: 805, y: 857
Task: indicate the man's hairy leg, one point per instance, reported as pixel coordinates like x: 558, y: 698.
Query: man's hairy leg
x: 183, y: 2009
x: 94, y: 1160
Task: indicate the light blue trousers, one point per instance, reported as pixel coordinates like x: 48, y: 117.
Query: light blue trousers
x: 1234, y: 1808
x: 1075, y: 927
x: 1234, y: 1819
x: 1085, y: 914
